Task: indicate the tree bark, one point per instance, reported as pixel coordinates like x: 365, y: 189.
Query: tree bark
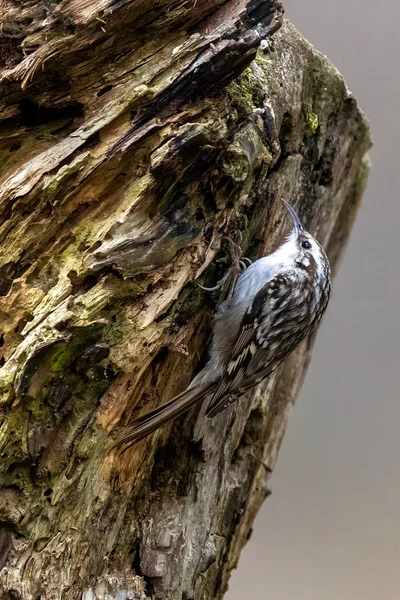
x: 134, y: 136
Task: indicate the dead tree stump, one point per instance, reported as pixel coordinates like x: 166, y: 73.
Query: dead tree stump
x: 133, y: 136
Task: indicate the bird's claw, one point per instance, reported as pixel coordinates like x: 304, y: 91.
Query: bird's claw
x: 216, y: 287
x: 233, y: 273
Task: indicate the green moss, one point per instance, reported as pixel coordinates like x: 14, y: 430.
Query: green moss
x: 82, y: 337
x: 312, y: 119
x: 246, y: 92
x: 37, y: 409
x: 11, y: 432
x: 324, y: 89
x: 246, y: 74
x: 62, y: 358
x: 260, y: 60
x: 241, y: 93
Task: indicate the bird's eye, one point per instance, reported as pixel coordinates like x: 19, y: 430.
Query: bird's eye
x: 306, y: 245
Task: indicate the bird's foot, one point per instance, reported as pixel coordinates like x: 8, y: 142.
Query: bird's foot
x: 231, y: 277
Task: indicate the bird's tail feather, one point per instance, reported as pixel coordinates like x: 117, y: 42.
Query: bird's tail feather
x: 156, y: 418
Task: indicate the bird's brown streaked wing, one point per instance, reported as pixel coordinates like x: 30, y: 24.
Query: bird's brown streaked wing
x: 251, y: 340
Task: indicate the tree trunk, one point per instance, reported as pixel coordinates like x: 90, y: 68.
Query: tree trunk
x: 130, y: 144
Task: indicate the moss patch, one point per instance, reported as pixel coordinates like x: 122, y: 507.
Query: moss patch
x: 312, y: 119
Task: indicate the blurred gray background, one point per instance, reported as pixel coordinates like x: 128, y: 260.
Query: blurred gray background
x: 331, y: 529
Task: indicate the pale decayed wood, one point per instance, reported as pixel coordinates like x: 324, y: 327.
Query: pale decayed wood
x: 129, y: 145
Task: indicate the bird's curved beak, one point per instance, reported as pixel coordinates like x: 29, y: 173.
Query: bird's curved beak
x: 298, y: 227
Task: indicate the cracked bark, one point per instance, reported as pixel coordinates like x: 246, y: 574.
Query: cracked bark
x: 131, y: 140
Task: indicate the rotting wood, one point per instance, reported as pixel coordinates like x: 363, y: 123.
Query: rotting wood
x: 129, y: 146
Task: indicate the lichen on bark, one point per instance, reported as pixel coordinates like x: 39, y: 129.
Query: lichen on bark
x: 129, y: 146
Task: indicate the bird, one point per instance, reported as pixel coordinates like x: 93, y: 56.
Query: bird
x: 275, y: 303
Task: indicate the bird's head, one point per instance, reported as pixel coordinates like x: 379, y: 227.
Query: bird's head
x: 302, y: 248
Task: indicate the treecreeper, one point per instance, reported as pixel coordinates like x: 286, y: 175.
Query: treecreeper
x: 276, y: 303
